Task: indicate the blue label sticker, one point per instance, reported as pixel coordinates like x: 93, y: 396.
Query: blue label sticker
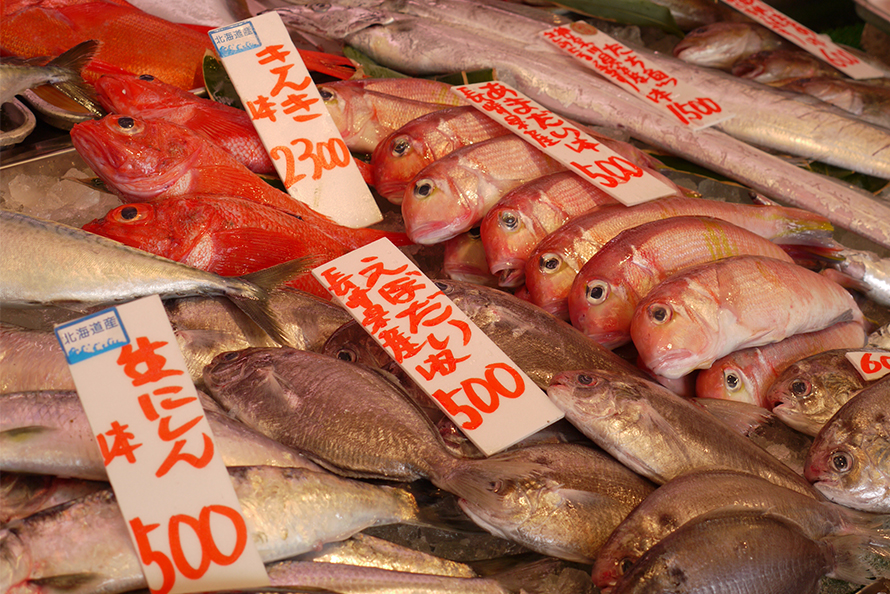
x: 92, y: 335
x: 234, y: 39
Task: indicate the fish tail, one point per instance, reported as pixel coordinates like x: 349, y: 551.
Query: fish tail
x: 861, y: 557
x: 75, y: 87
x: 255, y: 301
x: 437, y: 508
x: 815, y: 233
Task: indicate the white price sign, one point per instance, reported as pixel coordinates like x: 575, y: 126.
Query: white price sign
x: 623, y: 180
x: 494, y: 402
x: 871, y: 365
x: 292, y: 120
x: 625, y: 68
x: 169, y: 480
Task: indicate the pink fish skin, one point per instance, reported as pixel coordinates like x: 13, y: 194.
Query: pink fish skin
x: 452, y: 194
x: 609, y: 285
x: 552, y: 266
x: 415, y: 89
x: 708, y: 311
x: 746, y: 375
x: 150, y: 98
x: 527, y: 214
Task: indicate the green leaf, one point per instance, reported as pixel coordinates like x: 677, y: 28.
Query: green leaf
x: 217, y: 82
x: 630, y: 12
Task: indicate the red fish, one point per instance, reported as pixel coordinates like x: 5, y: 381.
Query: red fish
x: 150, y: 98
x: 229, y: 235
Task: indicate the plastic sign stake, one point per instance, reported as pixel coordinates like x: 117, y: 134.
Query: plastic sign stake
x: 820, y: 46
x: 624, y: 67
x: 871, y: 365
x: 465, y: 373
x: 292, y: 120
x: 623, y: 180
x: 168, y: 478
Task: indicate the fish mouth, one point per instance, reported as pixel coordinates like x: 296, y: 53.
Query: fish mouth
x: 435, y: 232
x: 664, y: 363
x: 510, y: 277
x: 104, y: 155
x: 610, y: 340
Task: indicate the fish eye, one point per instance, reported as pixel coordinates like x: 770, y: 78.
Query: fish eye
x: 841, y: 462
x: 126, y: 122
x: 320, y: 7
x: 130, y: 213
x: 659, y: 313
x: 624, y: 565
x: 230, y: 356
x: 801, y: 387
x: 549, y: 263
x: 475, y: 233
x: 444, y: 287
x: 496, y: 486
x: 732, y: 380
x: 400, y: 146
x: 586, y: 380
x: 423, y: 189
x: 347, y: 355
x: 146, y: 77
x: 508, y: 221
x: 326, y: 95
x: 596, y: 291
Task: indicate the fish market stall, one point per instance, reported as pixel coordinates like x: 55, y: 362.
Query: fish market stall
x: 659, y: 231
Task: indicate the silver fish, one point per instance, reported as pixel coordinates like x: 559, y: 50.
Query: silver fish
x: 870, y: 270
x: 24, y: 494
x: 44, y: 263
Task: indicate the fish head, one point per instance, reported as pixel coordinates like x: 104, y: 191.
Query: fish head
x: 136, y: 157
x: 727, y: 380
x: 465, y: 260
x: 437, y: 206
x: 588, y: 393
x: 717, y: 45
x: 333, y: 21
x: 352, y: 343
x: 601, y: 308
x: 136, y: 224
x: 509, y: 235
x: 119, y: 93
x: 353, y: 110
x: 549, y: 274
x: 396, y: 160
x: 674, y: 330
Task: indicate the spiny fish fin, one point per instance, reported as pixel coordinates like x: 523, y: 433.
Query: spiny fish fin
x: 847, y: 316
x: 25, y: 433
x: 366, y: 170
x: 861, y: 557
x: 75, y: 59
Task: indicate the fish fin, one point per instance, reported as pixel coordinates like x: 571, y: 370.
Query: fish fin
x: 265, y: 281
x: 860, y: 558
x: 847, y: 316
x: 333, y: 65
x: 265, y: 249
x: 75, y: 59
x: 437, y: 508
x: 25, y: 433
x: 745, y: 419
x: 366, y: 170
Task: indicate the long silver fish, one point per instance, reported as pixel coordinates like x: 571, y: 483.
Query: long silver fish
x: 46, y: 263
x: 421, y: 46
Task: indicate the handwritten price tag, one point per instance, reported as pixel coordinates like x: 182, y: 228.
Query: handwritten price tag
x: 292, y: 120
x: 624, y: 67
x: 620, y: 178
x: 169, y: 480
x: 871, y: 365
x: 818, y: 45
x: 468, y: 376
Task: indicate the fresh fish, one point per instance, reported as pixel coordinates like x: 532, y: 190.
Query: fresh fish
x: 746, y: 375
x: 672, y: 436
x: 32, y: 360
x: 464, y: 259
x: 722, y: 44
x: 748, y: 551
x: 849, y: 461
x: 230, y: 236
x: 708, y: 311
x: 452, y: 194
x: 22, y: 495
x: 558, y: 83
x: 48, y: 433
x: 871, y: 102
x: 561, y: 500
x: 288, y: 511
x: 556, y: 260
x: 775, y: 67
x: 687, y: 497
x: 45, y: 263
x: 62, y: 72
x: 526, y: 215
x: 810, y: 391
x: 762, y: 427
x: 147, y: 97
x: 346, y: 418
x: 365, y: 117
x: 401, y: 155
x: 609, y: 285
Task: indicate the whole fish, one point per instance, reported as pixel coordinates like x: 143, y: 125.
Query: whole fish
x: 231, y: 236
x: 673, y: 436
x: 722, y: 44
x: 708, y: 311
x: 559, y: 84
x: 810, y: 391
x: 732, y: 551
x: 288, y: 511
x: 746, y: 375
x: 22, y: 495
x: 861, y: 98
x: 687, y: 497
x: 62, y: 72
x: 778, y: 66
x: 402, y: 154
x: 45, y: 263
x: 148, y: 97
x: 48, y: 433
x: 609, y: 285
x: 452, y: 194
x: 558, y: 499
x: 849, y: 461
x: 555, y: 262
x: 527, y: 214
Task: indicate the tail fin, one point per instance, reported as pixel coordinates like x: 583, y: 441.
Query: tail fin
x: 75, y: 87
x: 861, y: 558
x: 437, y: 508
